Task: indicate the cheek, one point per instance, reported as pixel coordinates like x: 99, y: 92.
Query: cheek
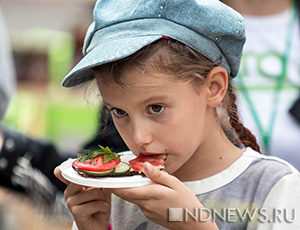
x: 181, y: 134
x: 188, y: 128
x: 120, y: 125
x: 185, y: 137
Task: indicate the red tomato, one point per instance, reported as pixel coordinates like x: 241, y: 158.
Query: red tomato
x: 96, y: 164
x: 138, y: 163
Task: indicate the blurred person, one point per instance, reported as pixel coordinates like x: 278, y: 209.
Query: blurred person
x: 269, y: 76
x: 7, y: 71
x: 23, y: 160
x: 27, y: 164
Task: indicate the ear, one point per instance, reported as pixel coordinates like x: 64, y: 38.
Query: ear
x: 217, y: 83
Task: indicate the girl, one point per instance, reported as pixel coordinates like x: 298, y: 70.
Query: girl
x: 167, y: 80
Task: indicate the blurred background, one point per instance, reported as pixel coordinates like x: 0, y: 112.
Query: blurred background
x: 46, y: 37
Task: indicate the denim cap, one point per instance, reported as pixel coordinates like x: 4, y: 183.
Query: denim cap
x: 122, y: 27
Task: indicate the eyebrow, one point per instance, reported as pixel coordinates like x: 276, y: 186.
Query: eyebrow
x: 147, y: 101
x: 154, y: 98
x: 106, y: 104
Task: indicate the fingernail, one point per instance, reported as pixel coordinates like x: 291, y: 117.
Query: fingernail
x: 148, y: 167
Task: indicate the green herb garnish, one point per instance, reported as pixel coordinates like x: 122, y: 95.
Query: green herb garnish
x: 85, y: 155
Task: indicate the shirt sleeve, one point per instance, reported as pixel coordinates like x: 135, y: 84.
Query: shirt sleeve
x: 281, y: 209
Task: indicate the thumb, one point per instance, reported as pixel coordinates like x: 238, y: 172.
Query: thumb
x: 160, y: 177
x: 107, y: 194
x: 57, y: 173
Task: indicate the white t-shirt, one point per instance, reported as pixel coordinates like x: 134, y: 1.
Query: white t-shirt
x: 267, y: 40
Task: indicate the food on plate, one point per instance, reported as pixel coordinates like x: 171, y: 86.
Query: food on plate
x: 157, y: 161
x: 105, y: 163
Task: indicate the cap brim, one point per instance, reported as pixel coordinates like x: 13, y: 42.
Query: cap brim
x: 110, y: 51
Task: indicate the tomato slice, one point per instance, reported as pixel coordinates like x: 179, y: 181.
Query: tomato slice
x: 96, y: 164
x: 138, y: 163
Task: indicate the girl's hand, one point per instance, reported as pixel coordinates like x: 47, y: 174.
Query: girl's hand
x: 155, y: 199
x: 90, y: 207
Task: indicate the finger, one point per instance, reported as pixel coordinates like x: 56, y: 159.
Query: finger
x: 160, y: 177
x: 90, y: 208
x: 57, y: 173
x: 143, y: 193
x: 131, y: 194
x: 84, y: 196
x: 163, y: 184
x: 107, y: 195
x: 72, y: 190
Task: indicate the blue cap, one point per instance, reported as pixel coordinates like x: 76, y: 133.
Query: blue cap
x: 122, y: 27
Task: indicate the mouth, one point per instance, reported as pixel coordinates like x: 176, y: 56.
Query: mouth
x: 155, y: 155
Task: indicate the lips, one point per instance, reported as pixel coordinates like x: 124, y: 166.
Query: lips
x: 164, y: 156
x: 153, y: 154
x: 150, y: 154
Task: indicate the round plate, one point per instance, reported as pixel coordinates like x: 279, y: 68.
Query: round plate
x: 104, y: 182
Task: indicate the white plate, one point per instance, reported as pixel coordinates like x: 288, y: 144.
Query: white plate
x: 106, y: 182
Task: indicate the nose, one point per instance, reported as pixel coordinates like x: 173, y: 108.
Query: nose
x: 141, y: 133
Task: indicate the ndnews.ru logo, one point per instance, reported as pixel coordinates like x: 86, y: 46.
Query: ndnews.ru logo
x: 233, y: 215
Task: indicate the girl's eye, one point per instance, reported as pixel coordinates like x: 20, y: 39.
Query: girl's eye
x: 119, y: 112
x: 156, y: 109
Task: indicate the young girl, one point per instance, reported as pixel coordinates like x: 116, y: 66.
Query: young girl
x: 164, y: 69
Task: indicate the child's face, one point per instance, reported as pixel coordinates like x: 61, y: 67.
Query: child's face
x: 158, y: 114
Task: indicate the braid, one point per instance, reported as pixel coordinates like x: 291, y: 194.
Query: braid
x: 245, y: 136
